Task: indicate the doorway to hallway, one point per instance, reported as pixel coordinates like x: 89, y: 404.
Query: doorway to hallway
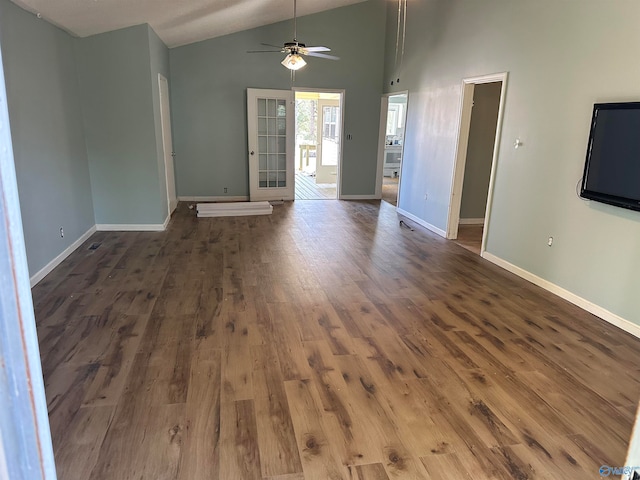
x: 474, y: 170
x: 393, y: 113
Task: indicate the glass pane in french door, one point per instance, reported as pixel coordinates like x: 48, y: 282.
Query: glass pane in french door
x: 272, y: 144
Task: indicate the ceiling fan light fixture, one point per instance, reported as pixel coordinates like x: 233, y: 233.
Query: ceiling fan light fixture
x: 293, y: 61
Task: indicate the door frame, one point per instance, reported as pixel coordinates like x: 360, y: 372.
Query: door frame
x: 172, y: 203
x: 342, y: 93
x: 466, y: 107
x: 382, y: 134
x: 320, y: 133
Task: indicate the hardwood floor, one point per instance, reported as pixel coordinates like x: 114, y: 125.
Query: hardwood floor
x: 470, y: 237
x: 308, y: 189
x: 322, y: 342
x: 390, y: 190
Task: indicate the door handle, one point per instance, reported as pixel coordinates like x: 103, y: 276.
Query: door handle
x: 251, y: 152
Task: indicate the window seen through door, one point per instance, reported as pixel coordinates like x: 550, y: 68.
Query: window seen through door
x: 330, y: 123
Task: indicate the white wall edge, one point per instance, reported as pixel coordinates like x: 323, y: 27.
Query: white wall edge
x: 131, y: 227
x: 166, y: 222
x: 44, y: 271
x: 222, y: 198
x: 583, y: 303
x: 359, y: 197
x: 471, y: 221
x: 382, y: 130
x: 633, y: 454
x: 422, y: 223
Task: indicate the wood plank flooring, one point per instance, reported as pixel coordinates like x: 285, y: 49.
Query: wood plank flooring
x: 470, y: 237
x: 321, y: 342
x: 308, y: 189
x: 390, y: 189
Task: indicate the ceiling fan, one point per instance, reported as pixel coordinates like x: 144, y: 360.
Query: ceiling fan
x: 295, y: 49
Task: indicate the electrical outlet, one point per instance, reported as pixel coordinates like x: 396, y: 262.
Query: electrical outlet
x: 550, y: 241
x: 225, y: 189
x: 426, y: 196
x: 61, y: 232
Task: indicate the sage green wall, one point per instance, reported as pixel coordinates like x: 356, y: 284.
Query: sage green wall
x: 482, y: 134
x: 208, y: 88
x: 561, y: 58
x: 118, y: 97
x: 48, y: 140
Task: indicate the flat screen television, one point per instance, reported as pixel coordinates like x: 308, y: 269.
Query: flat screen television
x: 612, y: 168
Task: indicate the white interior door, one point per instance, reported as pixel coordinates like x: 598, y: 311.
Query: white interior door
x: 167, y: 144
x: 328, y: 150
x: 271, y: 127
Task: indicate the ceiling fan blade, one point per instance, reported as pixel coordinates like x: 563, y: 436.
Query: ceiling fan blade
x: 317, y: 49
x: 323, y: 55
x: 270, y: 45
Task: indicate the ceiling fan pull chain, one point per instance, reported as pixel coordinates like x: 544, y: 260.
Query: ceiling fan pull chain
x: 398, y: 35
x: 402, y: 22
x: 404, y: 36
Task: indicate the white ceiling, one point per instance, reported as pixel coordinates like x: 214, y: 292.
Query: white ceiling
x: 177, y: 22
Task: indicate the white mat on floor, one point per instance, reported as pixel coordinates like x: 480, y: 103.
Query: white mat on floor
x: 233, y: 209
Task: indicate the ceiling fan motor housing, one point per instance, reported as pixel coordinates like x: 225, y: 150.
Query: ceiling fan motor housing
x: 293, y: 46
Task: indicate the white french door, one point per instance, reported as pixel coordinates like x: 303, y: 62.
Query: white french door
x: 271, y: 127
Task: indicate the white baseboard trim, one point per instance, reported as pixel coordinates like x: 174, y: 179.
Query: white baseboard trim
x: 223, y: 198
x: 44, y: 271
x: 471, y: 221
x: 359, y: 197
x: 422, y: 223
x: 583, y: 303
x: 131, y: 227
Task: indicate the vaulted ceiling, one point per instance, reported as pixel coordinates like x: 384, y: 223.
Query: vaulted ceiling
x: 177, y: 22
